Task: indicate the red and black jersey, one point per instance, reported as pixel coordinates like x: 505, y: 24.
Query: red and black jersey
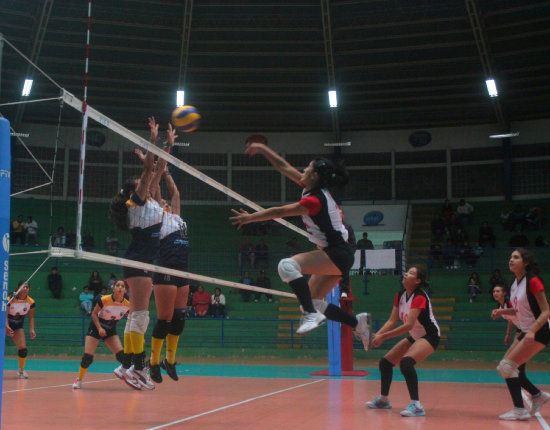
x: 425, y: 323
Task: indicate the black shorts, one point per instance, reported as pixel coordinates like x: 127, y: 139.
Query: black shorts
x: 164, y: 279
x: 16, y: 324
x: 433, y: 340
x: 93, y: 332
x: 541, y: 336
x: 130, y: 272
x: 342, y: 256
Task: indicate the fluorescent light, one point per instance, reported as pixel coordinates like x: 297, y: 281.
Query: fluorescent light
x: 492, y: 87
x: 337, y: 144
x: 332, y: 99
x: 180, y: 96
x: 27, y: 87
x: 505, y: 135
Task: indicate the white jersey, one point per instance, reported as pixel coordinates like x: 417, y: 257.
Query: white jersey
x: 522, y: 298
x: 143, y: 214
x: 172, y: 223
x: 512, y: 318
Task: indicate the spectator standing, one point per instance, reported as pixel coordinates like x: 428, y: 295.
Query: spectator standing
x: 18, y: 230
x: 486, y: 235
x: 474, y: 286
x: 88, y: 242
x: 55, y: 283
x: 262, y: 253
x: 362, y: 245
x: 247, y: 253
x: 247, y: 280
x: 86, y: 300
x: 95, y: 282
x: 201, y: 301
x: 264, y: 282
x: 31, y: 234
x: 111, y: 243
x: 217, y: 305
x: 465, y: 211
x: 112, y: 280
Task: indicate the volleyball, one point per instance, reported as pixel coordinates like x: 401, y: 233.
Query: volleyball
x: 186, y: 118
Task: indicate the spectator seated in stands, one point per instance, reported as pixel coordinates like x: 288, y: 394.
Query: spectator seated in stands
x: 95, y: 282
x: 495, y: 279
x: 247, y: 253
x: 31, y: 232
x: 474, y: 286
x: 506, y: 219
x: 247, y: 280
x: 86, y: 299
x: 465, y: 212
x: 18, y: 230
x: 262, y: 254
x: 436, y: 255
x: 70, y: 239
x: 201, y: 301
x: 438, y: 228
x: 111, y: 243
x: 102, y: 293
x: 112, y: 280
x: 88, y: 241
x: 217, y: 305
x: 519, y: 240
x: 517, y: 217
x: 264, y: 282
x: 59, y: 238
x: 486, y: 235
x: 534, y: 218
x: 466, y: 254
x: 449, y: 255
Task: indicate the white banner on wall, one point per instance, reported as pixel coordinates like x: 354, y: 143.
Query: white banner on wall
x: 376, y: 259
x: 376, y: 217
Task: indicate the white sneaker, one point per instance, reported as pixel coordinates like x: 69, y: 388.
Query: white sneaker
x: 77, y: 384
x: 413, y: 410
x: 119, y: 372
x: 22, y: 374
x: 379, y: 403
x: 311, y: 321
x: 538, y: 400
x: 516, y: 414
x: 141, y: 376
x: 363, y: 330
x: 344, y: 295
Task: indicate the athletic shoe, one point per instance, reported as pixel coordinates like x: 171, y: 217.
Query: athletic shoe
x: 413, y: 410
x: 516, y: 414
x: 379, y: 403
x: 154, y: 370
x: 311, y: 321
x: 538, y: 400
x: 22, y: 374
x: 141, y: 377
x: 120, y: 372
x: 344, y: 295
x: 77, y: 384
x: 363, y: 330
x: 170, y: 369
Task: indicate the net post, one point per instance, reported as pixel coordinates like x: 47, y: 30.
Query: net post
x: 5, y: 186
x: 334, y: 339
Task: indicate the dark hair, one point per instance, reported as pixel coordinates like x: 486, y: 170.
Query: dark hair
x: 19, y: 285
x: 330, y: 174
x: 118, y: 211
x: 421, y: 274
x: 531, y: 266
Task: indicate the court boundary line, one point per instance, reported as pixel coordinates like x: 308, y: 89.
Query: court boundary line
x: 242, y: 402
x: 57, y: 386
x: 539, y: 417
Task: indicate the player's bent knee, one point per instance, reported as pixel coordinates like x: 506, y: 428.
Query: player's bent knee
x: 87, y: 359
x: 320, y: 305
x: 161, y: 329
x: 407, y: 365
x: 507, y: 369
x: 178, y: 323
x: 120, y: 356
x: 139, y: 321
x: 22, y: 352
x: 289, y: 269
x: 384, y: 363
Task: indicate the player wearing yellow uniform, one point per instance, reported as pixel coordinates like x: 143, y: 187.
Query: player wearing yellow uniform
x: 108, y: 311
x: 19, y: 306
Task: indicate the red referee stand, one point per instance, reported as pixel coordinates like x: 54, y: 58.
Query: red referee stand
x: 340, y: 341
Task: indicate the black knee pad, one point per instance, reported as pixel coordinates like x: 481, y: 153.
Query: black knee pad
x: 120, y: 356
x: 22, y: 352
x: 384, y: 363
x: 178, y: 323
x: 407, y: 365
x: 87, y: 359
x: 161, y: 329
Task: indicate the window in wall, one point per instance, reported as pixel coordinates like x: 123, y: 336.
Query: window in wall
x: 478, y: 180
x: 530, y: 177
x: 421, y: 183
x: 368, y: 185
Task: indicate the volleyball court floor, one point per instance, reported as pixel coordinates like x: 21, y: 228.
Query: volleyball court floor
x: 255, y: 397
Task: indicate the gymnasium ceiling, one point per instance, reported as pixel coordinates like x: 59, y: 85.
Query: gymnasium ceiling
x: 265, y: 65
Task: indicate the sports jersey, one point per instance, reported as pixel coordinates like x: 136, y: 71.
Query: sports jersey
x: 323, y: 221
x: 512, y: 318
x: 425, y: 323
x: 111, y: 312
x: 17, y: 309
x: 174, y: 250
x: 144, y: 221
x: 172, y: 223
x: 524, y: 302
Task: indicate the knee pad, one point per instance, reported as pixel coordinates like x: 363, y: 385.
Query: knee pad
x: 139, y: 321
x: 178, y: 323
x: 87, y: 359
x: 320, y: 305
x: 507, y: 369
x: 289, y: 270
x: 120, y: 356
x: 407, y: 365
x: 161, y: 329
x: 384, y: 364
x: 22, y: 352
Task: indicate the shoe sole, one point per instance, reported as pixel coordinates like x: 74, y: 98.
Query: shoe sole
x: 414, y: 415
x: 378, y: 407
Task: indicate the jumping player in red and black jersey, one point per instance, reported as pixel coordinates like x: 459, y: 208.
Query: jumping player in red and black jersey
x: 530, y: 306
x: 333, y: 258
x: 412, y: 306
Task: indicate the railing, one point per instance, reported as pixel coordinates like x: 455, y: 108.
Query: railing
x: 461, y: 334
